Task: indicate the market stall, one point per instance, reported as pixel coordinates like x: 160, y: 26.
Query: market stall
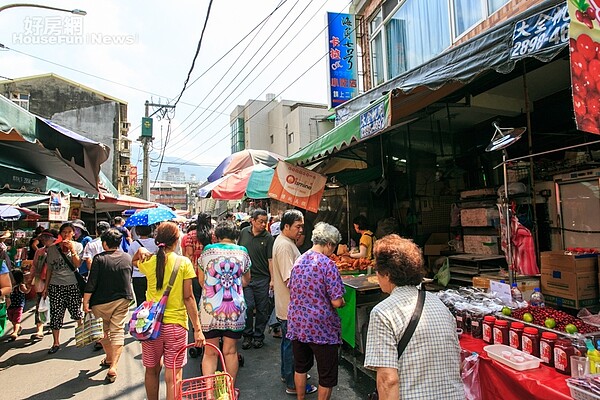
x: 362, y: 294
x: 525, y: 349
x: 500, y: 381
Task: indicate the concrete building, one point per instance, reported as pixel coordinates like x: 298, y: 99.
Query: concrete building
x: 174, y: 174
x: 280, y: 126
x: 396, y: 46
x: 171, y: 194
x: 84, y: 110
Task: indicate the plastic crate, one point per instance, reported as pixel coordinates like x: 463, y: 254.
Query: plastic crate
x: 581, y: 394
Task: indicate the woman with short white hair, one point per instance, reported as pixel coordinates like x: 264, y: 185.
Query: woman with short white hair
x: 314, y: 327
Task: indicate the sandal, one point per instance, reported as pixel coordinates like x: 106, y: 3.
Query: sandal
x: 53, y: 349
x: 110, y: 378
x: 37, y: 336
x: 11, y: 338
x: 104, y: 363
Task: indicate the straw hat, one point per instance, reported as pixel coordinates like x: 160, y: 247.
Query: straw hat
x: 5, y: 235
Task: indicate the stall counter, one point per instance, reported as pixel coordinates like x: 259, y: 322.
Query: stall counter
x: 499, y: 381
x: 362, y: 292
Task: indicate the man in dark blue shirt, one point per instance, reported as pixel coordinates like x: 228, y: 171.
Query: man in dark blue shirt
x: 259, y: 244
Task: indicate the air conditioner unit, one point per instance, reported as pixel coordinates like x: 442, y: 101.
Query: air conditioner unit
x: 378, y: 186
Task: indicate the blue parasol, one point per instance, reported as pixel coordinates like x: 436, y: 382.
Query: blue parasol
x: 150, y: 216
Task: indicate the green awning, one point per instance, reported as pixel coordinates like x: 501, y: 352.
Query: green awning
x: 356, y: 176
x: 371, y: 121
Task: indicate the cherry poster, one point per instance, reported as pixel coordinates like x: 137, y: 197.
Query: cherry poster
x: 584, y: 48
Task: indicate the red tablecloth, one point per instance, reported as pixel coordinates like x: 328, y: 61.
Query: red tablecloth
x: 499, y: 381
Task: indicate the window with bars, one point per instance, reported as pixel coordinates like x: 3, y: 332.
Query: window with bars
x: 21, y: 99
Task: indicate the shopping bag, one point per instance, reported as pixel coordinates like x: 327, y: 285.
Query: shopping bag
x: 2, y: 318
x: 443, y: 275
x: 90, y: 331
x: 470, y: 376
x: 146, y: 320
x: 44, y: 310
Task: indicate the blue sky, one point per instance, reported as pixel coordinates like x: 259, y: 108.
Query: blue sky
x: 146, y: 49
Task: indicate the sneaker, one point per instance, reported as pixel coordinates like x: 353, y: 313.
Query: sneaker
x: 258, y: 343
x: 309, y: 389
x: 247, y: 342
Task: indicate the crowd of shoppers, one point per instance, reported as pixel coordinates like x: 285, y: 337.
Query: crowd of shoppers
x: 223, y: 279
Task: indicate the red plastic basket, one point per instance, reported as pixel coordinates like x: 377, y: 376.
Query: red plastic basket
x: 208, y: 387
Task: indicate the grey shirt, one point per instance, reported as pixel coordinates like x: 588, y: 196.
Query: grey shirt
x: 62, y: 274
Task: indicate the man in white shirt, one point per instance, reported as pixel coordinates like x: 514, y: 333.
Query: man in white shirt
x: 95, y: 246
x: 285, y: 253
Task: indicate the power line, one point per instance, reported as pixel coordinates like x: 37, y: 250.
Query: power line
x: 187, y: 79
x: 262, y: 108
x: 227, y: 53
x: 246, y: 64
x: 256, y: 66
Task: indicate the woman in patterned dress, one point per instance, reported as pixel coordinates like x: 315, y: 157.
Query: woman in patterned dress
x: 225, y: 269
x: 316, y: 290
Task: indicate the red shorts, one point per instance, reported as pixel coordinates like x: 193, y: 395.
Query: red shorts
x: 173, y: 337
x: 14, y: 314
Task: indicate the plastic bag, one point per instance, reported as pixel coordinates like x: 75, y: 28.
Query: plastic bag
x: 44, y: 310
x: 89, y: 331
x: 443, y: 275
x: 470, y: 375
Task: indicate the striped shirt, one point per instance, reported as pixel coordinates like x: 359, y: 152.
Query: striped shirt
x: 430, y: 365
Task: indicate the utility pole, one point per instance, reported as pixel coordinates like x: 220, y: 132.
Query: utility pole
x: 146, y: 138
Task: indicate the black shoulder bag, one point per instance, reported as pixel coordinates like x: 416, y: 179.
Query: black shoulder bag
x: 408, y: 333
x: 80, y: 279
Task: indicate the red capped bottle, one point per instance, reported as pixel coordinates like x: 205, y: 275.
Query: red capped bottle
x: 563, y: 350
x: 514, y: 334
x: 530, y: 341
x: 488, y: 326
x: 547, y: 348
x: 501, y: 332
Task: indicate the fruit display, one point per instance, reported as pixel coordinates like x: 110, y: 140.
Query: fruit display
x: 346, y: 263
x: 585, y: 65
x: 553, y: 319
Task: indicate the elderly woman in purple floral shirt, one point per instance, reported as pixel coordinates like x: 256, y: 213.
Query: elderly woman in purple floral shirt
x: 316, y: 290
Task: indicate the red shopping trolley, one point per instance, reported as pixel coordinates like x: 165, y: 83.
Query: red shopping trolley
x: 218, y: 386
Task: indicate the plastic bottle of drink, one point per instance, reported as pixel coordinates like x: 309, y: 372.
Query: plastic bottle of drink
x: 516, y: 293
x: 537, y: 298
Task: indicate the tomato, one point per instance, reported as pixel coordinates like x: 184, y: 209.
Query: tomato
x: 586, y: 46
x: 578, y: 106
x: 578, y: 63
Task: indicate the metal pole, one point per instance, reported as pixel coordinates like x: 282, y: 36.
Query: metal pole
x: 532, y: 190
x: 348, y: 212
x: 511, y: 273
x: 145, y: 144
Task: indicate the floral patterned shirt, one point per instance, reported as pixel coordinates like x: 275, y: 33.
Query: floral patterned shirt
x: 314, y: 282
x: 223, y: 306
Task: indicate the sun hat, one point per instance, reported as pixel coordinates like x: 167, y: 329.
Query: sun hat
x: 5, y: 235
x: 46, y: 232
x: 77, y: 223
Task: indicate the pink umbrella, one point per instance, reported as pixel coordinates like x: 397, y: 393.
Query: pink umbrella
x: 253, y: 182
x: 244, y: 159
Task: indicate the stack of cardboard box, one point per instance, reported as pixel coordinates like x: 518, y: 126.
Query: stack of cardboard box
x: 570, y: 280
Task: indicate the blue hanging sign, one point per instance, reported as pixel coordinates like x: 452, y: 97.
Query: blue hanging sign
x: 342, y: 61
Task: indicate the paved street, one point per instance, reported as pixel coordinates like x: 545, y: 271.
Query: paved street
x: 28, y: 372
